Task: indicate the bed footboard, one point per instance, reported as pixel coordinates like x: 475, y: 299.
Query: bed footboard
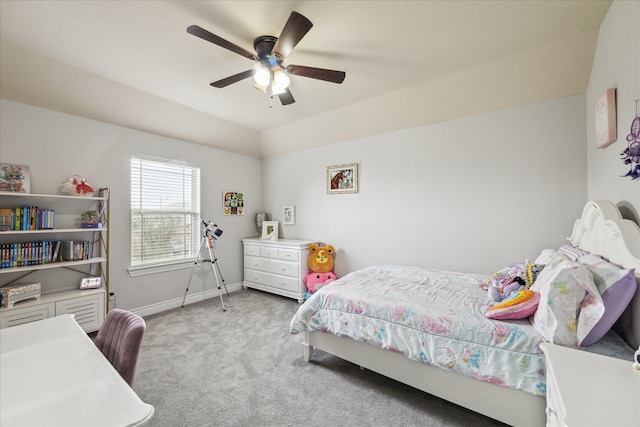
x: 524, y: 409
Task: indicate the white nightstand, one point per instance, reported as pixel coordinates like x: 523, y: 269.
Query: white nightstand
x: 587, y: 389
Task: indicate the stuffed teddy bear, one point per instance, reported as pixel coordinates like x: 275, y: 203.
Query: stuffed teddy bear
x: 321, y: 258
x: 320, y: 268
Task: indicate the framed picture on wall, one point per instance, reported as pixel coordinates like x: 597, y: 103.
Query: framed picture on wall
x: 288, y: 215
x: 269, y: 230
x: 342, y: 179
x: 605, y: 118
x: 232, y: 203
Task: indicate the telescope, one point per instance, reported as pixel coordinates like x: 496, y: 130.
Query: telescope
x: 211, y: 229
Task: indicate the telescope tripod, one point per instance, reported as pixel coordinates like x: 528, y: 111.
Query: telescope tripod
x: 208, y: 242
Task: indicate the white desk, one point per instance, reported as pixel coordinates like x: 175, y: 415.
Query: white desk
x: 588, y: 389
x: 52, y: 374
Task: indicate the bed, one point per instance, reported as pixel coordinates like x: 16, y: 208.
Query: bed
x: 427, y: 328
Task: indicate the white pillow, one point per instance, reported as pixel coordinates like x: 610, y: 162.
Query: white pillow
x: 564, y: 315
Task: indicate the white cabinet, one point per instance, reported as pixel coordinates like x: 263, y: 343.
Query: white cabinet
x: 588, y: 389
x: 277, y: 266
x: 88, y: 306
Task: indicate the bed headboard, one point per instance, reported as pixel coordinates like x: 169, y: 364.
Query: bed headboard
x: 602, y: 230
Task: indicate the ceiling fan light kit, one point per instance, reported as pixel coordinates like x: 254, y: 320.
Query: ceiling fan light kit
x: 271, y: 76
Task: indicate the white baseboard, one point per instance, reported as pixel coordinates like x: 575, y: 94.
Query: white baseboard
x: 191, y: 298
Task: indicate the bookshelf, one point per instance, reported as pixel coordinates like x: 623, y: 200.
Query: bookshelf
x: 89, y: 306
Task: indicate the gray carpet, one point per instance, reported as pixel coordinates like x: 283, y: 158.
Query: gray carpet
x: 200, y: 366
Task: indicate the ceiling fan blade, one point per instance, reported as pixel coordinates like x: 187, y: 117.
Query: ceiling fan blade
x: 317, y: 73
x: 217, y: 40
x: 286, y: 98
x: 233, y: 79
x: 294, y: 30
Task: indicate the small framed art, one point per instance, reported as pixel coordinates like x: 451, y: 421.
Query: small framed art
x: 342, y: 179
x: 605, y: 118
x: 15, y: 178
x: 90, y: 283
x: 288, y: 215
x: 269, y: 230
x: 233, y: 203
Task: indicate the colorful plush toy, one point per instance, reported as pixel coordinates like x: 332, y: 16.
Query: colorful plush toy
x: 77, y: 186
x: 515, y: 278
x: 320, y: 268
x: 315, y: 281
x: 321, y: 258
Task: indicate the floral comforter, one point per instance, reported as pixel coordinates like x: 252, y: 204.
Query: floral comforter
x: 433, y: 317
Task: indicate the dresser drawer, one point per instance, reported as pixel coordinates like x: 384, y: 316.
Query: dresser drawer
x: 256, y: 276
x: 255, y: 263
x: 252, y: 250
x: 288, y: 254
x: 268, y: 252
x: 283, y: 268
x: 284, y: 282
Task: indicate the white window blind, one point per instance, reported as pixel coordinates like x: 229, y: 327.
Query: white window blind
x: 165, y: 211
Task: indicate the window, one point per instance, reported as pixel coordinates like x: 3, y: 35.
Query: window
x: 165, y: 211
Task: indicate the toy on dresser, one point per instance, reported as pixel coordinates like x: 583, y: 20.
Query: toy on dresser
x: 320, y: 268
x: 636, y: 359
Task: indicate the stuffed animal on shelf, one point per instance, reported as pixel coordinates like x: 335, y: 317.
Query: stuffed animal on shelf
x: 77, y: 186
x: 320, y: 268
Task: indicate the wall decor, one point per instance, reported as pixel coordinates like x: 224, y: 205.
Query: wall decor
x: 269, y: 230
x: 233, y: 203
x: 631, y: 154
x: 15, y: 178
x: 260, y: 218
x: 342, y: 179
x: 288, y: 215
x: 605, y: 118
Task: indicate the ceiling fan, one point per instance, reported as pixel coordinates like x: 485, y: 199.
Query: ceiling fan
x: 270, y: 74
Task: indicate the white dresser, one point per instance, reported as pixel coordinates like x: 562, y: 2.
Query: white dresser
x: 587, y: 389
x: 277, y: 266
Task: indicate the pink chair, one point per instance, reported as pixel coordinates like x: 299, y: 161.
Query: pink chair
x: 119, y: 339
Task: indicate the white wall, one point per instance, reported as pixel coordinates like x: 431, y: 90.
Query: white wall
x: 470, y: 194
x: 58, y: 145
x: 616, y: 64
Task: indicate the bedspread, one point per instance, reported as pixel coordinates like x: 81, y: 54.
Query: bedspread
x: 431, y: 316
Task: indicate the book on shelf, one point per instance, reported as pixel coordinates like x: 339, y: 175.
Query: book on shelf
x: 26, y: 254
x: 26, y: 218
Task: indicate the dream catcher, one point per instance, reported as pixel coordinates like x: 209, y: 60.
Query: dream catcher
x: 631, y: 155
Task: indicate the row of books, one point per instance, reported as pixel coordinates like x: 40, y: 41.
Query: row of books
x: 44, y: 252
x: 26, y: 218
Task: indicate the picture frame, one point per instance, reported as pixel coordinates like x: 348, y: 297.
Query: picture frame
x: 605, y: 118
x: 91, y: 283
x: 232, y: 203
x: 288, y: 215
x: 269, y: 230
x: 15, y: 178
x: 342, y: 179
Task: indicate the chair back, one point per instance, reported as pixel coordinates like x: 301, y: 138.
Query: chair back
x: 119, y: 339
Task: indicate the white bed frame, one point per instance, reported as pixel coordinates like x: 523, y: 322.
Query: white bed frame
x: 600, y: 230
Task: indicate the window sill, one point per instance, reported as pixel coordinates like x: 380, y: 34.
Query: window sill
x: 141, y: 270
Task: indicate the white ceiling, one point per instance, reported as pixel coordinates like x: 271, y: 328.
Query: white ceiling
x: 81, y: 57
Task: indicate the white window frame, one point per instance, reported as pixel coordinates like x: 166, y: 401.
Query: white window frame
x: 181, y: 202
